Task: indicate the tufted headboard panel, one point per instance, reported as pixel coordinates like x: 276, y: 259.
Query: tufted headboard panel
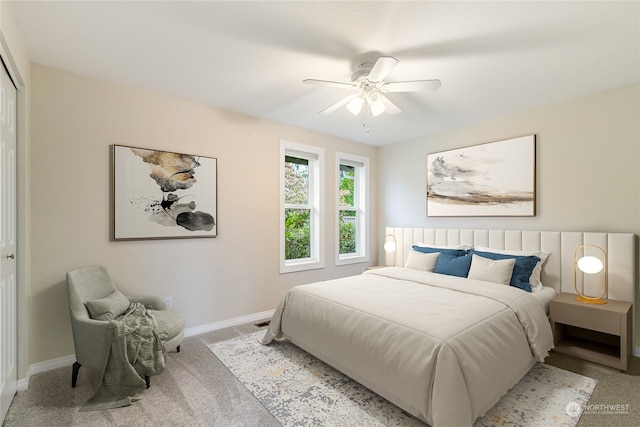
x: 558, y: 270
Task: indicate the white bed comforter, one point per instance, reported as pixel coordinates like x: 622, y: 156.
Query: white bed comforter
x: 443, y: 348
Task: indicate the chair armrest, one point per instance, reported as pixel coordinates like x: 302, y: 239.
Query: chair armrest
x: 149, y: 301
x: 89, y: 341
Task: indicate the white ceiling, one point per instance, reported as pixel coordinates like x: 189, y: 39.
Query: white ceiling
x: 493, y: 58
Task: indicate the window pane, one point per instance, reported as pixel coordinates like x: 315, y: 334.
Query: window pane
x: 347, y: 175
x: 347, y: 232
x: 297, y: 233
x: 296, y: 177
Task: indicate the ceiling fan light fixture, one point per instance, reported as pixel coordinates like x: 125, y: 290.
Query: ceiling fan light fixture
x: 355, y: 105
x: 375, y: 103
x: 368, y: 82
x: 377, y: 108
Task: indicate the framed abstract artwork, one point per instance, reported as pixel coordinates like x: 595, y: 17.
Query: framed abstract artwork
x: 163, y: 195
x: 492, y: 179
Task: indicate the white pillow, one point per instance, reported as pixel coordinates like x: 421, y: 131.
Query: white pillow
x: 491, y: 270
x: 421, y: 261
x: 534, y: 280
x: 427, y: 245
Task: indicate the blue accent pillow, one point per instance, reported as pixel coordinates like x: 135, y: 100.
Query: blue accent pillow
x: 430, y: 250
x: 521, y: 270
x: 453, y: 265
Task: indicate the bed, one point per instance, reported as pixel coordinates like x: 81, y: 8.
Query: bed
x: 442, y: 347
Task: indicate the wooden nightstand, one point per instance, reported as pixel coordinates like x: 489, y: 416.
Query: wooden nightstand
x: 598, y: 333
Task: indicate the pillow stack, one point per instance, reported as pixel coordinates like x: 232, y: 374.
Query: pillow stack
x: 535, y: 281
x: 520, y: 269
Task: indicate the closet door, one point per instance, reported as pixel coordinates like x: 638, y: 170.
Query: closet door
x: 8, y: 314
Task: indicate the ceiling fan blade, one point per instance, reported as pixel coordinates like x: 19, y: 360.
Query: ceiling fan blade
x: 330, y: 84
x: 389, y: 106
x: 381, y: 68
x: 343, y: 101
x: 411, y: 86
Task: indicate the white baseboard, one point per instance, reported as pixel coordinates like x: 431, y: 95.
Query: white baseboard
x: 47, y: 365
x: 61, y: 362
x: 228, y: 323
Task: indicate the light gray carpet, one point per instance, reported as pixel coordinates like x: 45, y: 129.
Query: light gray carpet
x: 614, y: 388
x: 196, y: 389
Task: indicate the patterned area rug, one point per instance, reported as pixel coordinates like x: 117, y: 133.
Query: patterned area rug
x: 299, y: 390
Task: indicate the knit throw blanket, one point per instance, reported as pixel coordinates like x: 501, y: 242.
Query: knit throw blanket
x: 134, y: 350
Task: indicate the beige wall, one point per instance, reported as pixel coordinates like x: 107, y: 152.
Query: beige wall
x: 15, y: 55
x: 588, y: 168
x: 75, y: 119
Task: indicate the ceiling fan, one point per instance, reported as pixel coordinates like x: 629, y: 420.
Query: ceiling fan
x: 368, y: 83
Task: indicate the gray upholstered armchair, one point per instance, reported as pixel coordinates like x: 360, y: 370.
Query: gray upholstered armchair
x: 91, y: 289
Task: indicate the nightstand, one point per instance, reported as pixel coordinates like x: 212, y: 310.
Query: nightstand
x: 598, y: 333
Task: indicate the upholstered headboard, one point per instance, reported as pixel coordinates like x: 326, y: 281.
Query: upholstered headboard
x: 558, y: 270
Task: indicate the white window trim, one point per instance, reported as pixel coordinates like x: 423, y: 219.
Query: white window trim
x: 361, y: 192
x: 316, y: 176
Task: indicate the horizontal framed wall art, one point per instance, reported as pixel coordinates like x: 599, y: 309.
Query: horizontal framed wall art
x: 163, y: 195
x: 492, y: 179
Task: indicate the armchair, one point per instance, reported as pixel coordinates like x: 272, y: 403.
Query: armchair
x: 89, y: 284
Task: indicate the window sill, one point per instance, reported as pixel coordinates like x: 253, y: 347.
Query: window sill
x: 348, y: 260
x: 300, y: 266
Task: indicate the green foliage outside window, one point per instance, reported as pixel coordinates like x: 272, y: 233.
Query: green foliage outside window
x: 347, y: 232
x: 296, y: 176
x: 297, y: 221
x: 297, y: 234
x: 347, y: 217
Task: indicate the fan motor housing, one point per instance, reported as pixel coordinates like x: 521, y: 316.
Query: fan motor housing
x: 362, y: 72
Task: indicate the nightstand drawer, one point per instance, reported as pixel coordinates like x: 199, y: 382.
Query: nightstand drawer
x: 586, y: 317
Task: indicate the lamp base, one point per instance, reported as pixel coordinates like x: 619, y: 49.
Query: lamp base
x: 588, y: 300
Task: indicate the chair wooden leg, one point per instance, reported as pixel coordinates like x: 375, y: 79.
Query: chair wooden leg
x: 147, y: 381
x: 74, y: 374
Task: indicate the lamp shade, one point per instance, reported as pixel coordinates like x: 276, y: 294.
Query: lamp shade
x: 390, y: 247
x: 355, y: 105
x: 375, y: 103
x: 590, y: 265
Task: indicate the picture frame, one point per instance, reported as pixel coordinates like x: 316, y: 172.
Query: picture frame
x: 491, y: 179
x: 162, y: 195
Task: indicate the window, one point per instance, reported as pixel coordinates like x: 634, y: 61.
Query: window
x: 352, y: 208
x: 301, y: 220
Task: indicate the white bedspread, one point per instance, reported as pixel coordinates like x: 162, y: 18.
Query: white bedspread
x: 443, y: 348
